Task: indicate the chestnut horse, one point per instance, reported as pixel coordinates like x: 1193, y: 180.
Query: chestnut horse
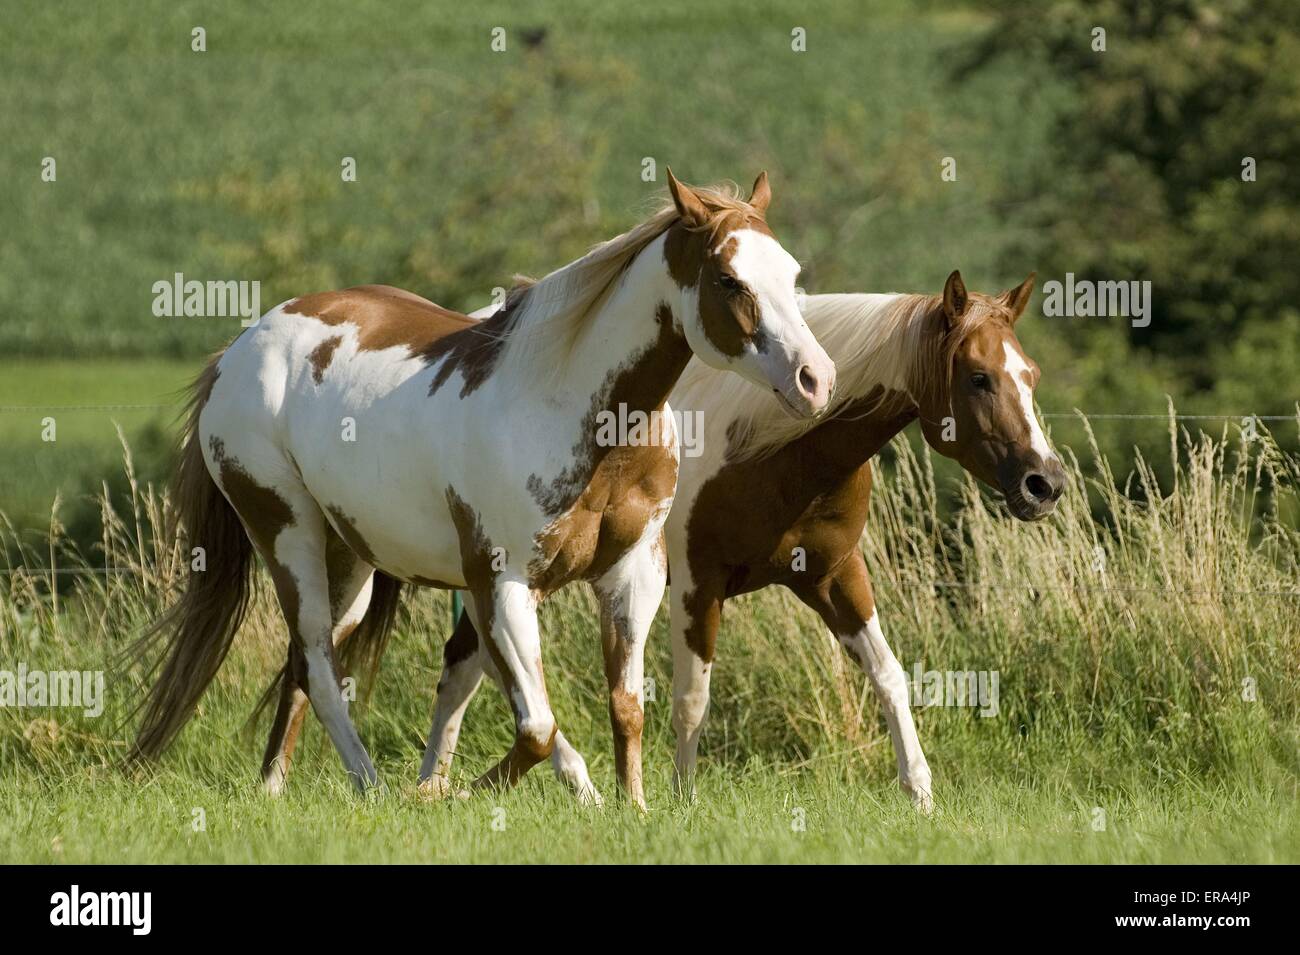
x: 766, y: 489
x: 369, y: 430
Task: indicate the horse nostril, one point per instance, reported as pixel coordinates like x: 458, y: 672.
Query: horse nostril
x: 1038, y: 488
x: 807, y: 381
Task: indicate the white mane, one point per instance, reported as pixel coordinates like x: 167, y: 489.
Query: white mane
x: 551, y: 312
x: 873, y: 339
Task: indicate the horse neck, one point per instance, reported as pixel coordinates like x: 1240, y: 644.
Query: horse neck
x: 632, y: 350
x: 876, y: 371
x: 858, y: 431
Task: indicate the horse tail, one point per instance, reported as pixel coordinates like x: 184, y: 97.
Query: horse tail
x: 200, y: 627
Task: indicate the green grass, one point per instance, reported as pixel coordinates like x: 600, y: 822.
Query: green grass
x: 743, y: 815
x: 87, y: 449
x: 1124, y: 694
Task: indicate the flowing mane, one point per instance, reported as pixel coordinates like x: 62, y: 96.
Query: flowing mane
x: 892, y: 340
x: 547, y: 316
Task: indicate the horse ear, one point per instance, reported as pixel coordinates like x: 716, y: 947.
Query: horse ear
x: 761, y: 195
x: 689, y: 205
x: 1017, y: 298
x: 955, y: 297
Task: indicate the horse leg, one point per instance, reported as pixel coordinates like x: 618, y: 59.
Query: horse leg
x: 513, y: 644
x: 289, y: 716
x: 571, y: 769
x: 462, y: 672
x: 299, y: 570
x: 350, y: 582
x: 696, y: 615
x: 845, y: 601
x: 630, y: 593
x: 464, y: 664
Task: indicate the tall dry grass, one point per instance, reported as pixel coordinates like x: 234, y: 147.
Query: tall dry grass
x: 1141, y: 633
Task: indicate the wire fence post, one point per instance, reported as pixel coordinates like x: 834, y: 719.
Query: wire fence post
x: 457, y: 608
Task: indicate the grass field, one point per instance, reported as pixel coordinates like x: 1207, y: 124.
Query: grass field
x: 472, y: 165
x: 1148, y: 711
x: 744, y: 816
x: 87, y: 401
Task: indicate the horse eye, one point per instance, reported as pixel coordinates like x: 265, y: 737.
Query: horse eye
x: 980, y: 380
x: 729, y: 282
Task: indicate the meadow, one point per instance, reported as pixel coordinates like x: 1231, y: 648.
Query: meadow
x: 1146, y: 708
x: 1145, y: 638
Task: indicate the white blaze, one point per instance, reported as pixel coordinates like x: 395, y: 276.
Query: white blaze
x: 1016, y: 367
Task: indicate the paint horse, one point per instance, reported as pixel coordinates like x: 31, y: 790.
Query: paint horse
x: 764, y: 487
x: 368, y: 435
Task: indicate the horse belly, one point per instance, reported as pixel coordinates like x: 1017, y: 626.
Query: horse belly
x: 405, y: 537
x: 380, y: 488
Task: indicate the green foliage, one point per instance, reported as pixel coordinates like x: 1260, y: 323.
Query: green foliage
x: 471, y: 165
x: 1143, y: 179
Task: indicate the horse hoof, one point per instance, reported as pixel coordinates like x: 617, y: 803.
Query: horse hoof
x: 435, y: 788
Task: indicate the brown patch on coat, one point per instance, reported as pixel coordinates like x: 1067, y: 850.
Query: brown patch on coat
x: 703, y: 607
x: 473, y: 351
x: 599, y: 506
x: 526, y: 753
x: 264, y: 514
x: 626, y: 717
x: 626, y: 714
x: 659, y: 551
x: 812, y: 493
x: 322, y: 355
x: 341, y: 560
x: 387, y: 317
x: 480, y: 578
x: 627, y: 721
x: 462, y: 645
x: 843, y: 597
x: 347, y: 529
x: 729, y: 318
